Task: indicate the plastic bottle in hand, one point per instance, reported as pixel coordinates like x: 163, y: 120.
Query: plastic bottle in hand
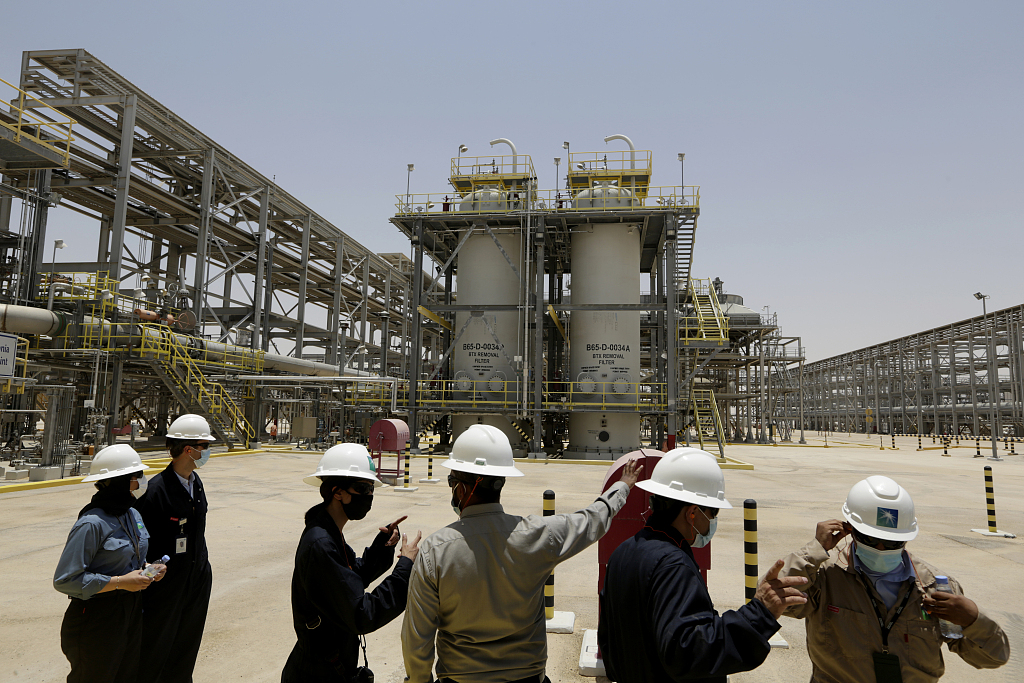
x: 949, y: 629
x: 150, y: 571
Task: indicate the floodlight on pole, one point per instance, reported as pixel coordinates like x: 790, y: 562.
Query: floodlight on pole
x: 408, y: 176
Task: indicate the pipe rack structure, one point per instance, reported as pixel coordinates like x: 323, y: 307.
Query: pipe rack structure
x: 966, y: 377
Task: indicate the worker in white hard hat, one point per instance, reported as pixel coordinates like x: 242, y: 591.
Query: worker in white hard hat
x: 657, y: 621
x: 874, y: 610
x: 331, y: 610
x: 101, y: 572
x: 476, y: 596
x: 174, y: 509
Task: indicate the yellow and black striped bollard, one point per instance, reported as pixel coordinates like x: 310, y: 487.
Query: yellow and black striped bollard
x: 977, y: 447
x: 406, y: 484
x: 750, y: 548
x: 945, y: 446
x: 549, y: 585
x: 1012, y: 451
x: 990, y: 500
x: 893, y: 434
x: 919, y: 442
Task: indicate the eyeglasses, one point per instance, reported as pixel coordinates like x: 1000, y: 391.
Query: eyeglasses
x: 452, y: 481
x: 362, y: 489
x: 874, y: 542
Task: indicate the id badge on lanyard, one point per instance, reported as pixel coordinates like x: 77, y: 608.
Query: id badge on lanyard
x: 887, y: 665
x: 181, y: 540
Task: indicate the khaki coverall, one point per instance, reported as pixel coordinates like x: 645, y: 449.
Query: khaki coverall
x: 843, y: 632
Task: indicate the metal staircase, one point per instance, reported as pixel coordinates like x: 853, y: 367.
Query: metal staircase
x: 707, y: 419
x: 707, y: 325
x: 183, y: 377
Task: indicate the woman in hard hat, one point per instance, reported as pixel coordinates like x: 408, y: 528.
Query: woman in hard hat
x: 330, y: 606
x: 174, y: 510
x: 100, y: 570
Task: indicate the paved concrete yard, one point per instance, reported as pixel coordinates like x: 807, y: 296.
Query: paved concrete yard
x: 258, y: 500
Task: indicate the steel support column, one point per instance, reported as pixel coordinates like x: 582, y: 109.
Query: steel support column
x: 203, y: 242
x: 413, y: 305
x: 258, y: 310
x: 124, y: 168
x: 300, y: 337
x: 538, y: 351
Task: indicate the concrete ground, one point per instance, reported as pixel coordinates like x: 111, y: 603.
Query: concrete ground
x: 258, y: 500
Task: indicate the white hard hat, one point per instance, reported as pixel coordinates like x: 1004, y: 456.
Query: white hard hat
x: 113, y: 461
x: 345, y: 460
x: 881, y: 508
x: 190, y: 427
x: 690, y: 475
x: 484, y: 450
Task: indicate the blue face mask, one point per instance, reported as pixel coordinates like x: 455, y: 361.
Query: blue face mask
x: 203, y: 457
x: 702, y: 540
x: 879, y: 561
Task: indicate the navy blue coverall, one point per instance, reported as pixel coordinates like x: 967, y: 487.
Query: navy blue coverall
x: 330, y: 605
x: 174, y: 610
x: 658, y: 623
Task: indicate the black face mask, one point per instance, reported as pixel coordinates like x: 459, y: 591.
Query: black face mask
x: 359, y: 507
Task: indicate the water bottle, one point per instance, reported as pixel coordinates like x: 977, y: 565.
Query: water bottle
x: 150, y: 571
x: 949, y: 629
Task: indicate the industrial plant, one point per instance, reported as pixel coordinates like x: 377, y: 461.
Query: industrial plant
x: 572, y: 318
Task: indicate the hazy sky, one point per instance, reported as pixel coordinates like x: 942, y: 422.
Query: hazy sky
x: 857, y: 162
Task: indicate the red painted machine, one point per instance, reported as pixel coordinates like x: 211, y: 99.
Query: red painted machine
x: 388, y: 436
x: 629, y: 520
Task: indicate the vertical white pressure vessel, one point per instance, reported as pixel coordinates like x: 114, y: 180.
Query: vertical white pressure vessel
x: 605, y: 345
x: 482, y: 361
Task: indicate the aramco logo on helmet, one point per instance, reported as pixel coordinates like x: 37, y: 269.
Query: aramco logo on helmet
x: 887, y: 517
x: 374, y: 469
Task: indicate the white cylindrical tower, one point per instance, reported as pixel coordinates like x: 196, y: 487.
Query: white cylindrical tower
x: 605, y: 345
x: 482, y: 362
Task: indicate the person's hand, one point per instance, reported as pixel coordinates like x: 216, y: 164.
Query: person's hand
x: 411, y: 550
x: 392, y: 530
x: 956, y: 609
x: 133, y: 581
x: 777, y: 594
x: 830, y: 532
x: 631, y: 472
x: 161, y: 571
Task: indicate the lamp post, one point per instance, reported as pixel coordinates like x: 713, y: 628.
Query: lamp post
x: 558, y: 178
x: 57, y: 244
x: 408, y: 177
x: 993, y: 380
x: 682, y: 176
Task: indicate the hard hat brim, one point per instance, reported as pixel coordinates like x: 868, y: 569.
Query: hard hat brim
x: 685, y: 496
x: 482, y: 470
x: 117, y: 473
x: 315, y: 479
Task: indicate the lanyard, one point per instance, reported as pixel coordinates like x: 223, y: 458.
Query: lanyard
x: 881, y: 615
x: 136, y: 543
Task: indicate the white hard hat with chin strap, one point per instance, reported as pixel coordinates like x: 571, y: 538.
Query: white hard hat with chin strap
x: 483, y: 450
x: 880, y: 508
x: 690, y: 475
x: 345, y: 460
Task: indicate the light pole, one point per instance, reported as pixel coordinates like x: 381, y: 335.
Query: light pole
x: 57, y: 244
x: 558, y: 178
x: 408, y: 177
x: 682, y: 176
x: 993, y: 381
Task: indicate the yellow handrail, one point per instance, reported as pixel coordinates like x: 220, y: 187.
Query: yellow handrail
x: 165, y: 346
x: 26, y: 120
